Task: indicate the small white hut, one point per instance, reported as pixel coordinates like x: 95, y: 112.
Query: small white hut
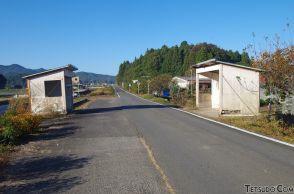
x: 234, y: 88
x: 51, y: 90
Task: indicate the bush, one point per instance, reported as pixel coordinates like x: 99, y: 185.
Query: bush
x: 179, y: 95
x: 14, y: 125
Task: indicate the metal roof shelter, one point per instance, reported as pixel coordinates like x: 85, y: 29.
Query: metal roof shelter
x: 51, y: 90
x: 49, y: 71
x: 234, y: 88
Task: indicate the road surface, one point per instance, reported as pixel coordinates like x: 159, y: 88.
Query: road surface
x: 203, y: 157
x: 98, y: 150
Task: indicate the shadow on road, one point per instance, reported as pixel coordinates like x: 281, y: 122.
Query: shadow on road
x: 45, y: 174
x: 119, y: 108
x: 54, y: 132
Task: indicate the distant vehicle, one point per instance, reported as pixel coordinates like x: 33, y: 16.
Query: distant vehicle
x: 166, y: 93
x: 156, y: 94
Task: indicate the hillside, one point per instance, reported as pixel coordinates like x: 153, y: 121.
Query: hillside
x: 14, y: 73
x: 175, y: 60
x: 87, y: 77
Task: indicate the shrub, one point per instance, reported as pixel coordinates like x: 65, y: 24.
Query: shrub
x: 14, y: 125
x: 179, y: 95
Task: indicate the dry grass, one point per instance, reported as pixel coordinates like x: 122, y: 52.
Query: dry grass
x: 262, y: 125
x: 20, y: 105
x: 103, y: 91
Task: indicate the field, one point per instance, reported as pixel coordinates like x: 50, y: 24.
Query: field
x: 9, y: 92
x: 6, y: 94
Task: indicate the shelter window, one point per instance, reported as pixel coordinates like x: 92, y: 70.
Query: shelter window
x: 53, y: 88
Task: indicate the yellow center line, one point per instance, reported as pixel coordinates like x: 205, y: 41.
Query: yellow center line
x: 157, y: 167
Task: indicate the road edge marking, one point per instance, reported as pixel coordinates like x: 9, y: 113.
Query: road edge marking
x: 157, y: 167
x: 116, y: 92
x: 220, y: 123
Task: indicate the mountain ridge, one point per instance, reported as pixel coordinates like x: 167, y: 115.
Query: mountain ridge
x: 14, y: 73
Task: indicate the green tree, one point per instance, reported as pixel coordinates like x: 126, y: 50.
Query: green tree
x: 175, y: 60
x: 160, y: 82
x: 245, y: 60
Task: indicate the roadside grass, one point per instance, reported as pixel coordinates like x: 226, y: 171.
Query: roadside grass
x: 79, y: 99
x: 261, y: 125
x: 103, y: 91
x: 156, y: 99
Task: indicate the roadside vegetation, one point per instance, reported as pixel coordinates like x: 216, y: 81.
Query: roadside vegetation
x: 16, y: 122
x: 103, y: 91
x: 263, y: 125
x: 156, y: 99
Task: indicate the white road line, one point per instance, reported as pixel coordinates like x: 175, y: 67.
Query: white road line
x: 220, y: 123
x: 116, y: 92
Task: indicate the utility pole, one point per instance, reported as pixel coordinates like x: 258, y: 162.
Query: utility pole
x: 138, y: 83
x: 148, y: 82
x: 191, y: 82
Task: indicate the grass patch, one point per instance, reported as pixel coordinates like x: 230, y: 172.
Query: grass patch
x: 260, y: 124
x: 103, y: 91
x: 156, y: 99
x: 80, y: 98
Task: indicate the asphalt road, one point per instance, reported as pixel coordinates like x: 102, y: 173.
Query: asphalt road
x: 98, y: 150
x: 199, y: 156
x: 92, y: 151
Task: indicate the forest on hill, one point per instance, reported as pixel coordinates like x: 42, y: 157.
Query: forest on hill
x: 175, y: 60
